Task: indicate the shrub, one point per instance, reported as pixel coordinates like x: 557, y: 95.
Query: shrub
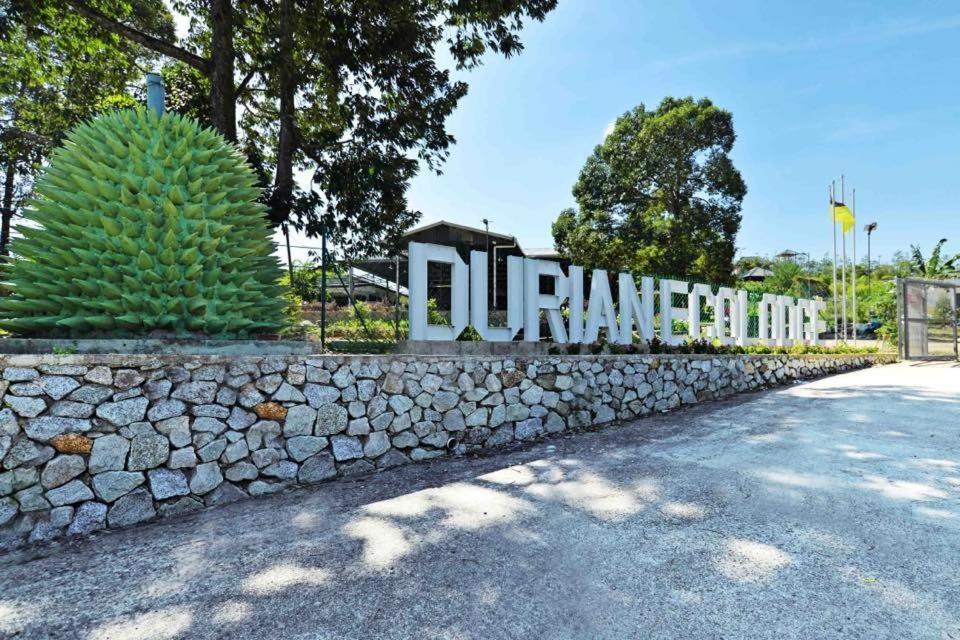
x: 144, y: 223
x: 307, y: 281
x: 470, y: 334
x: 713, y: 347
x: 434, y: 314
x: 888, y: 332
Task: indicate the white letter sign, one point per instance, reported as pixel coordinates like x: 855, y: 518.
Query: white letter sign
x: 420, y: 256
x: 783, y: 320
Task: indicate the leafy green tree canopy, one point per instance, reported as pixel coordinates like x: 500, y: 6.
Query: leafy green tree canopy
x: 660, y: 195
x: 348, y: 92
x: 55, y: 72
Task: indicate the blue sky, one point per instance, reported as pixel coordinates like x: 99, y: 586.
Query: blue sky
x: 865, y: 88
x: 817, y: 89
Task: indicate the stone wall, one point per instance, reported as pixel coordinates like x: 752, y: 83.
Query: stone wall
x: 95, y: 441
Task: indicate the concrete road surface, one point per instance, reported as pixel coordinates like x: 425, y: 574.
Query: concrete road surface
x: 823, y: 510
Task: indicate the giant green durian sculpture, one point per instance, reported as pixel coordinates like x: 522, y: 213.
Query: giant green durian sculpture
x: 144, y: 224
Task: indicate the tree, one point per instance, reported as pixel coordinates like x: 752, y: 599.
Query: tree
x: 936, y: 267
x: 660, y: 195
x: 347, y: 91
x: 53, y: 74
x: 787, y: 277
x: 943, y: 310
x: 745, y: 263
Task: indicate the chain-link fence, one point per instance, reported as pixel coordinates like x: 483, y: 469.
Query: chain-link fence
x: 928, y: 318
x: 351, y: 307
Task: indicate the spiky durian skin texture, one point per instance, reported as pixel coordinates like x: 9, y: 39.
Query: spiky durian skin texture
x: 144, y: 223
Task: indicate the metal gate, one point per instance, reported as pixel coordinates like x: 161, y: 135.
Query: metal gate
x: 928, y: 319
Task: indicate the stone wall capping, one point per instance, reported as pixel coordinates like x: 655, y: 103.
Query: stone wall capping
x: 96, y: 440
x: 121, y: 360
x: 159, y: 346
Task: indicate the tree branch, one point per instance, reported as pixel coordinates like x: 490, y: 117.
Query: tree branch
x: 144, y: 39
x: 314, y: 151
x: 9, y: 133
x: 246, y: 80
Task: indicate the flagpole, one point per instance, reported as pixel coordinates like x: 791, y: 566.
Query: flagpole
x: 843, y: 260
x: 854, y: 203
x: 833, y: 222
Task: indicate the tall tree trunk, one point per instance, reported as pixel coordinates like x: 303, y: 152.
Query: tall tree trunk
x: 7, y: 214
x: 222, y: 88
x: 281, y: 200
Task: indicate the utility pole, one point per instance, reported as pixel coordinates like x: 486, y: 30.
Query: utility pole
x: 843, y: 259
x: 869, y: 228
x: 156, y: 94
x: 486, y: 226
x: 286, y: 234
x: 396, y: 306
x: 854, y: 234
x: 833, y: 222
x: 323, y: 287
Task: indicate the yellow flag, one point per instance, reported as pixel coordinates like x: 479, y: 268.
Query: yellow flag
x: 843, y: 215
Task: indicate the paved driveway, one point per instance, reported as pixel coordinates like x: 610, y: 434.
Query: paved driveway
x: 823, y: 510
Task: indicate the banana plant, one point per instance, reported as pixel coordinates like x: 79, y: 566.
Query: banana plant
x: 936, y: 266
